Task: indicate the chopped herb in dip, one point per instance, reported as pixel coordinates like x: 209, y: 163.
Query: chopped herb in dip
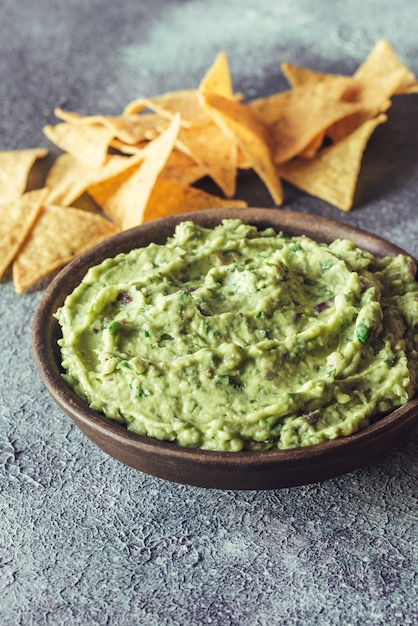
x: 237, y: 339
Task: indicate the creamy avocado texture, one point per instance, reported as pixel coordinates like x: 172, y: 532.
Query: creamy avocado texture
x: 237, y: 339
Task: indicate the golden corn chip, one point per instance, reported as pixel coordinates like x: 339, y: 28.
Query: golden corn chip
x: 169, y: 197
x: 375, y: 89
x: 381, y: 61
x: 298, y: 76
x: 15, y: 166
x: 345, y: 127
x: 242, y: 124
x: 370, y: 88
x: 129, y: 129
x: 58, y: 236
x: 374, y: 96
x: 185, y: 102
x: 313, y: 146
x: 124, y: 197
x: 299, y: 118
x: 108, y: 193
x: 214, y: 152
x: 218, y: 79
x: 408, y: 88
x: 242, y: 162
x: 70, y: 177
x: 130, y: 149
x: 349, y: 88
x: 332, y: 174
x: 88, y: 142
x: 181, y: 168
x: 67, y: 179
x: 16, y: 220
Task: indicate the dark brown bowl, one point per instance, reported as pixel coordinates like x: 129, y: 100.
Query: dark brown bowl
x: 222, y: 470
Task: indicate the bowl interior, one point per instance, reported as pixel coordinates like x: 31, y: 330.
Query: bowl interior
x: 222, y: 470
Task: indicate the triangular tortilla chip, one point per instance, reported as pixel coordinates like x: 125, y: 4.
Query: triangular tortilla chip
x: 70, y: 177
x: 129, y: 129
x: 124, y: 197
x: 16, y: 220
x: 217, y: 79
x: 214, y: 152
x: 168, y: 198
x: 131, y: 149
x: 297, y: 76
x: 381, y: 61
x: 181, y: 168
x: 242, y: 125
x: 370, y: 89
x: 58, y: 236
x: 67, y: 179
x: 15, y: 166
x: 88, y: 142
x: 374, y: 94
x: 332, y: 174
x: 313, y: 146
x: 184, y: 102
x: 299, y: 116
x: 251, y: 135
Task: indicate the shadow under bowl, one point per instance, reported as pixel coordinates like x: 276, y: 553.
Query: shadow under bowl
x: 273, y: 469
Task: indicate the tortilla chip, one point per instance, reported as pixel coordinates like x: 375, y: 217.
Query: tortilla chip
x: 130, y: 149
x: 371, y: 89
x: 345, y: 127
x: 242, y: 162
x: 241, y: 123
x: 313, y: 146
x: 354, y: 88
x: 16, y: 220
x: 298, y: 76
x: 88, y: 142
x: 70, y: 177
x: 299, y: 117
x: 374, y: 96
x: 124, y: 197
x: 169, y: 197
x: 381, y: 61
x: 185, y: 102
x: 217, y: 79
x: 58, y: 236
x: 408, y: 89
x: 182, y: 169
x: 129, y: 129
x: 332, y: 174
x: 214, y: 152
x: 15, y: 166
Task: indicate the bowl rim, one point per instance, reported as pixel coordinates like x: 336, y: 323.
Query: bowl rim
x: 116, y: 435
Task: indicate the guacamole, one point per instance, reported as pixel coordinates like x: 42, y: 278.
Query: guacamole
x: 237, y: 339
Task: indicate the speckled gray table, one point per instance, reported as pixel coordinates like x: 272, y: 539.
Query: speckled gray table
x: 86, y: 540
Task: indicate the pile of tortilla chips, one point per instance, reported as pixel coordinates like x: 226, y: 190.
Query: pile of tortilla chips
x: 143, y: 164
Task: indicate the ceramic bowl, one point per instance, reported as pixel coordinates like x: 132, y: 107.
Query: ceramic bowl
x: 220, y: 470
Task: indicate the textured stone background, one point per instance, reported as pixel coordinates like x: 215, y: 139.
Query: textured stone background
x: 85, y: 540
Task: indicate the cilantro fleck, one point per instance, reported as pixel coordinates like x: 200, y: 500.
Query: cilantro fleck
x: 325, y: 265
x: 362, y: 332
x: 114, y: 328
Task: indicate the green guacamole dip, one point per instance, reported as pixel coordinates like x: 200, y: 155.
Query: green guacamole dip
x: 235, y: 339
